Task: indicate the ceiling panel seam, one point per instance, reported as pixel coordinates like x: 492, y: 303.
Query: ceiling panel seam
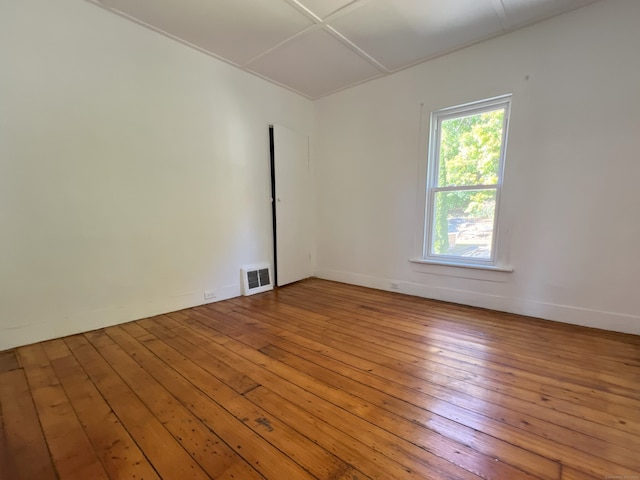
x: 349, y: 44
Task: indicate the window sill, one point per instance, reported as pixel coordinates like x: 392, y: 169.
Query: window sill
x: 467, y: 271
x: 475, y: 266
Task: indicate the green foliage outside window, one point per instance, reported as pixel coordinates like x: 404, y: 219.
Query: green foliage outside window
x: 469, y: 156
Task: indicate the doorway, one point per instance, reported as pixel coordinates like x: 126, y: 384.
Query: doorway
x: 291, y: 204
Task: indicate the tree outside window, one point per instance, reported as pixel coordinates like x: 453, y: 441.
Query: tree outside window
x: 465, y: 177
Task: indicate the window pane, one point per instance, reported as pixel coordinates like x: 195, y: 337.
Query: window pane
x: 463, y: 223
x: 470, y: 149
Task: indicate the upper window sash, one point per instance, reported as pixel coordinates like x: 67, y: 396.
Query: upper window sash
x: 468, y: 109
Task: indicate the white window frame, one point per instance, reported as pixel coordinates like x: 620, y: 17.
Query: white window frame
x: 433, y: 166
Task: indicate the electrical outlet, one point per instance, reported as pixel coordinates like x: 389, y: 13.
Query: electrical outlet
x: 394, y: 286
x: 209, y: 294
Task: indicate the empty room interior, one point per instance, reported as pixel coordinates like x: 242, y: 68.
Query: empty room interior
x: 319, y: 239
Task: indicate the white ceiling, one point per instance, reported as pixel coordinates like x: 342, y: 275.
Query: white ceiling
x: 317, y: 47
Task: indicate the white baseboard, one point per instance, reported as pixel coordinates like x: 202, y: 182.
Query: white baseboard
x: 28, y: 333
x: 574, y: 315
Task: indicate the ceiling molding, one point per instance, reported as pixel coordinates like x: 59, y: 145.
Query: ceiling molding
x: 355, y: 48
x: 304, y: 10
x: 284, y: 42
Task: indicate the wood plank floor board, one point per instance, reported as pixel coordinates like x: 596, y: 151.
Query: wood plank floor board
x: 28, y: 456
x: 390, y: 324
x: 114, y: 446
x: 463, y: 438
x: 392, y: 444
x: 303, y: 450
x: 442, y: 384
x: 467, y: 361
x: 207, y: 449
x: 230, y: 413
x: 571, y: 474
x: 240, y: 471
x: 223, y: 372
x: 528, y: 350
x: 610, y: 342
x: 409, y: 364
x: 505, y: 379
x: 476, y: 318
x: 186, y: 391
x: 474, y: 411
x: 7, y: 469
x: 164, y: 452
x: 71, y: 449
x: 324, y: 381
x: 370, y: 460
x: 618, y: 417
x: 546, y: 469
x: 320, y: 395
x: 517, y: 357
x: 388, y: 336
x: 8, y: 361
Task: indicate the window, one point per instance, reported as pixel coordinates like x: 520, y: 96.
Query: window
x: 464, y: 179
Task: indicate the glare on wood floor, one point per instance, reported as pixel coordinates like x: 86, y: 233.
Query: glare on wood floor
x: 321, y: 380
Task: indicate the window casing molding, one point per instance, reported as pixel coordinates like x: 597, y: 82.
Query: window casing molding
x: 429, y: 184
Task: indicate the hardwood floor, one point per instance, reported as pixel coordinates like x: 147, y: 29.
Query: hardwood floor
x: 321, y: 380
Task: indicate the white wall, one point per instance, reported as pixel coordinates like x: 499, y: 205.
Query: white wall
x: 571, y: 203
x: 134, y: 171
